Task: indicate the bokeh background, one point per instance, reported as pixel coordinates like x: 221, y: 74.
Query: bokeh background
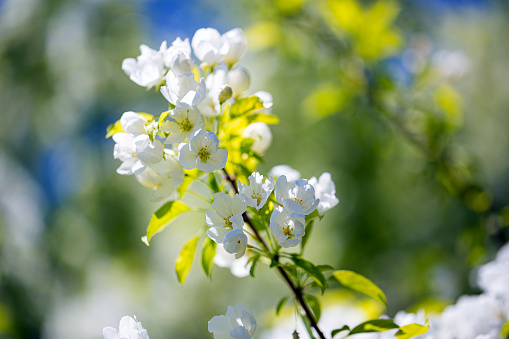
x: 405, y: 103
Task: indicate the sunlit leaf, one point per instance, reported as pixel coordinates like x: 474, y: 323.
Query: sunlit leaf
x: 245, y: 106
x: 377, y: 325
x: 410, y: 331
x: 114, y: 129
x: 253, y: 265
x: 207, y: 255
x: 269, y: 119
x: 185, y: 259
x: 164, y: 216
x: 361, y: 284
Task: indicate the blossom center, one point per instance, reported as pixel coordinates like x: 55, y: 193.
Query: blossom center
x: 204, y: 154
x: 257, y: 197
x: 288, y: 231
x: 185, y: 125
x: 227, y: 221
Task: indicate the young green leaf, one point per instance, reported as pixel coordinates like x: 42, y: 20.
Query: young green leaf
x: 245, y: 106
x: 377, y: 325
x: 314, y: 303
x: 336, y: 331
x: 361, y: 284
x: 185, y: 259
x: 114, y: 129
x: 410, y: 331
x: 280, y: 305
x: 207, y: 255
x: 253, y: 265
x: 269, y: 119
x: 163, y: 217
x: 311, y: 270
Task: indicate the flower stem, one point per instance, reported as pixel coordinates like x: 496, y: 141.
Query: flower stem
x: 296, y: 291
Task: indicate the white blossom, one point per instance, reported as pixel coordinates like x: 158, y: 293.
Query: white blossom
x: 297, y: 197
x: 183, y: 88
x: 202, y: 152
x: 163, y: 178
x: 260, y: 132
x: 133, y: 146
x: 287, y: 228
x: 208, y: 45
x: 178, y: 46
x: 325, y: 190
x: 182, y: 122
x: 257, y: 192
x: 147, y: 69
x: 128, y: 328
x: 235, y: 242
x: 469, y: 317
x: 236, y: 43
x: 217, y: 79
x: 239, y: 80
x: 290, y: 173
x: 237, y: 323
x: 227, y: 212
x: 238, y: 267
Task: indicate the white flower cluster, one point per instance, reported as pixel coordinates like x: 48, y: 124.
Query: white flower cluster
x: 287, y: 221
x: 128, y: 328
x: 473, y: 316
x: 156, y: 152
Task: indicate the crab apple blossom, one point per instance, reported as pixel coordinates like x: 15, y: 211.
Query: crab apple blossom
x: 128, y: 328
x: 257, y: 192
x: 226, y: 212
x: 266, y: 99
x: 208, y: 45
x: 236, y: 43
x: 290, y: 173
x: 287, y: 228
x: 163, y: 178
x: 147, y: 69
x: 235, y: 242
x: 183, y: 88
x: 297, y: 197
x: 178, y: 46
x: 239, y: 80
x: 325, y: 190
x: 181, y: 123
x: 261, y: 134
x: 238, y: 323
x: 215, y: 81
x: 202, y: 152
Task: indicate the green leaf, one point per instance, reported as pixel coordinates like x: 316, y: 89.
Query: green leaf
x: 325, y: 268
x: 344, y: 328
x: 280, y: 305
x: 114, y: 129
x: 410, y: 331
x: 245, y: 106
x: 361, y: 284
x: 207, y: 255
x: 213, y: 182
x: 185, y: 259
x: 269, y: 119
x: 163, y: 217
x: 253, y: 265
x: 314, y: 303
x: 377, y: 325
x: 311, y: 270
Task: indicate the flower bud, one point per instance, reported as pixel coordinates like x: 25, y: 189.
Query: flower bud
x: 239, y: 79
x: 236, y: 41
x: 235, y: 242
x: 225, y: 93
x: 260, y: 132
